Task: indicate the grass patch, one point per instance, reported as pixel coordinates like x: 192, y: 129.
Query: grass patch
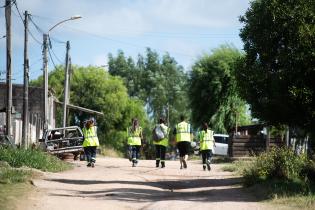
x: 297, y: 202
x: 237, y: 166
x: 110, y: 152
x: 11, y: 194
x: 33, y: 159
x: 12, y: 175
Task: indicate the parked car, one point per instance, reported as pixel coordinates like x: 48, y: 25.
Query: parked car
x: 221, y: 142
x: 6, y: 141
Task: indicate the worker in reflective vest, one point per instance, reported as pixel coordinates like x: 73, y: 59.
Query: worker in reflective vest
x: 134, y: 137
x: 90, y: 142
x: 183, y: 136
x: 205, y: 136
x: 161, y: 144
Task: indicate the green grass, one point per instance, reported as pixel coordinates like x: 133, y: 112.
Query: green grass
x: 32, y: 159
x: 17, y: 169
x: 11, y: 194
x: 306, y: 202
x: 12, y: 175
x: 110, y: 152
x: 237, y: 166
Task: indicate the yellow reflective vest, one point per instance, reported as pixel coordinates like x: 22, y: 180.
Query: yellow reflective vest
x: 183, y: 132
x: 206, y: 139
x: 134, y: 136
x: 164, y: 141
x: 90, y: 137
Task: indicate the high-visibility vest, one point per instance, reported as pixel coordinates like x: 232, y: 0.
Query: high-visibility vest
x: 206, y: 139
x: 90, y: 137
x: 134, y: 136
x: 183, y: 132
x: 164, y: 141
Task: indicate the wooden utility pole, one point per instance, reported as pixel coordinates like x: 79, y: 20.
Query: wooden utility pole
x: 25, y: 87
x: 9, y: 67
x: 45, y: 80
x: 66, y: 91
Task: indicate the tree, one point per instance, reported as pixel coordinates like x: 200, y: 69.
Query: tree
x: 277, y: 75
x: 159, y: 82
x: 213, y: 93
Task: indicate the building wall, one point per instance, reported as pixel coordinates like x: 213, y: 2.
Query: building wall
x: 35, y: 112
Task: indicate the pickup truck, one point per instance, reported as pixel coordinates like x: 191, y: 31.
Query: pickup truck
x: 63, y: 140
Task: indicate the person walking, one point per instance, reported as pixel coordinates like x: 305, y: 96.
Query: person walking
x: 183, y: 136
x: 205, y: 136
x: 90, y: 142
x: 160, y: 140
x: 134, y: 134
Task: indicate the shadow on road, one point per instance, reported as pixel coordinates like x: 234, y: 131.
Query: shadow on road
x: 186, y: 190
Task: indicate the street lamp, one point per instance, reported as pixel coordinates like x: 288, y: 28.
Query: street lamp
x: 45, y: 67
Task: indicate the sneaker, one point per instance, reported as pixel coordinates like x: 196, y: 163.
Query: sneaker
x: 181, y: 167
x: 162, y: 165
x: 204, y: 168
x: 89, y: 165
x: 208, y: 167
x: 93, y: 165
x: 184, y: 163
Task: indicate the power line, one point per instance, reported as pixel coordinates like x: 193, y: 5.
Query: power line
x: 12, y: 2
x: 36, y: 26
x: 126, y: 43
x: 33, y: 37
x: 52, y: 60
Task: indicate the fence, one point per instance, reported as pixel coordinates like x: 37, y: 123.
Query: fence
x: 245, y: 145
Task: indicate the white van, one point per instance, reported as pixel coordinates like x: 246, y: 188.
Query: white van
x: 221, y: 142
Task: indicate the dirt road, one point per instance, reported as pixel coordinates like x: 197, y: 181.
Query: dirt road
x: 114, y: 184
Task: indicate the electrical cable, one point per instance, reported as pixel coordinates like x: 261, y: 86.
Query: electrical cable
x: 33, y: 37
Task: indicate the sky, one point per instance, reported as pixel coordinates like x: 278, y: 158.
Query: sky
x: 186, y: 29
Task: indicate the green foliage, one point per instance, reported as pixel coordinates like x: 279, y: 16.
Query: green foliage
x: 278, y: 163
x: 33, y: 159
x: 213, y: 93
x: 160, y: 82
x: 277, y: 75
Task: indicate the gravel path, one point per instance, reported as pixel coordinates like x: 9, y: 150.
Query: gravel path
x: 114, y: 184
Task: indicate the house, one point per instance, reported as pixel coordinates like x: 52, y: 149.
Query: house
x: 36, y: 112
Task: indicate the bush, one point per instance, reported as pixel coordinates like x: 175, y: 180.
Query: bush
x: 33, y: 159
x: 279, y: 163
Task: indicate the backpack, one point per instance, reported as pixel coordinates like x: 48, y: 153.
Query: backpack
x: 158, y: 133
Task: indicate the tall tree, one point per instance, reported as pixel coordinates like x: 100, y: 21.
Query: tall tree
x: 159, y: 82
x: 277, y: 75
x: 213, y: 93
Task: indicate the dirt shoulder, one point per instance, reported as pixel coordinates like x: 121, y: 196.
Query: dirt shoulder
x: 114, y: 184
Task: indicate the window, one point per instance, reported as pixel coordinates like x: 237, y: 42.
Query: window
x: 221, y: 139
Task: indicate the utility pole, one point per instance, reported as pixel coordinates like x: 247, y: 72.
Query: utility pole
x: 65, y: 101
x: 45, y: 80
x: 9, y: 67
x: 25, y: 87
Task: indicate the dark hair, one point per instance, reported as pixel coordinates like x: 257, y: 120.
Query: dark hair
x: 161, y: 120
x: 205, y: 126
x: 182, y: 117
x: 135, y: 124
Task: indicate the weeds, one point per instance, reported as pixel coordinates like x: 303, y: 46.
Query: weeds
x: 32, y: 159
